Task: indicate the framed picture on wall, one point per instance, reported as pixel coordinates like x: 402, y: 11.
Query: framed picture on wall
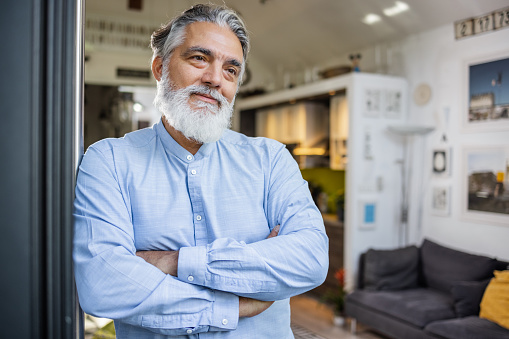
x: 368, y: 215
x: 372, y: 103
x: 485, y: 196
x: 441, y: 200
x: 392, y: 104
x: 441, y: 162
x: 487, y: 101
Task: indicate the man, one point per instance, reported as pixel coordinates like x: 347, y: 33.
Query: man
x: 187, y: 229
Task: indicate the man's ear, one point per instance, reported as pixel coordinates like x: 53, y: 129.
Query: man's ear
x: 157, y: 68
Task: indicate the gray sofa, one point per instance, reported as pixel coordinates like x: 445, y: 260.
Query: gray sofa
x: 429, y: 291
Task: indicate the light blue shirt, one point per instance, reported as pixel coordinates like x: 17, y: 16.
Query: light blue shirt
x: 146, y: 192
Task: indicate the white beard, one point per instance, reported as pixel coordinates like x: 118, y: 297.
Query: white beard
x: 204, y: 123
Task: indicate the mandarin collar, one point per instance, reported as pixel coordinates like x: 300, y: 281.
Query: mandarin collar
x: 174, y: 148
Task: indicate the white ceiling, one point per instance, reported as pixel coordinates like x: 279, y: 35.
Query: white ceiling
x: 302, y: 33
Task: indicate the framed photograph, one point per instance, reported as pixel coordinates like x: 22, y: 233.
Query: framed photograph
x: 372, y: 103
x: 392, y: 104
x: 441, y: 162
x: 441, y: 200
x: 368, y: 215
x: 488, y: 95
x: 486, y: 185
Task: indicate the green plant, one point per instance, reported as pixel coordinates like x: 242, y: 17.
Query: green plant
x: 337, y: 298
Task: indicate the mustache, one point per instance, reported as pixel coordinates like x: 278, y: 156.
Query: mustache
x: 205, y: 90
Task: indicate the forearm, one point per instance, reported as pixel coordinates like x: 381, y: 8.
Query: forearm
x: 271, y: 269
x: 166, y: 261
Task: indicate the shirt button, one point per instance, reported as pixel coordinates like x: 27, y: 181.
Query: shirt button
x: 189, y: 157
x: 225, y: 321
x: 193, y: 172
x: 198, y: 217
x: 189, y: 331
x: 190, y: 278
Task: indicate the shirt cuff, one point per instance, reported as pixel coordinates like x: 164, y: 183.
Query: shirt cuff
x: 192, y: 265
x: 225, y: 315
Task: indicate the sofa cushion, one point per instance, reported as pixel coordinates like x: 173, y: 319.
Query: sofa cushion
x: 471, y: 327
x: 467, y: 297
x: 495, y: 302
x: 444, y: 266
x: 418, y: 306
x: 391, y: 269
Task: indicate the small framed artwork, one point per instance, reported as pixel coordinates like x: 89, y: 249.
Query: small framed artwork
x: 392, y: 104
x: 441, y: 162
x: 368, y: 215
x: 487, y: 101
x: 372, y: 103
x: 485, y: 196
x: 440, y: 200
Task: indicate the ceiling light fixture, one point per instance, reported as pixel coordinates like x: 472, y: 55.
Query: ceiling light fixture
x: 371, y: 18
x: 398, y: 7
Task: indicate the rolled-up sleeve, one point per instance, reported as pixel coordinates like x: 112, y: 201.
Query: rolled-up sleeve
x: 112, y: 282
x: 272, y: 269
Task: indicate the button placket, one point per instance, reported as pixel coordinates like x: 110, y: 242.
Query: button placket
x: 194, y: 174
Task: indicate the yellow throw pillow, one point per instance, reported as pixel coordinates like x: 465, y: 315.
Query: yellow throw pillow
x: 495, y: 302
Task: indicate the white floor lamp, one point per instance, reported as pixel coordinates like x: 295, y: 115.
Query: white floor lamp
x: 407, y: 131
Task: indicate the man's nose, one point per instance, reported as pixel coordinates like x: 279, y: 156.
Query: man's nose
x: 213, y: 76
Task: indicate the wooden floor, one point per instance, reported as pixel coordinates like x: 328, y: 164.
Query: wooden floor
x: 316, y: 317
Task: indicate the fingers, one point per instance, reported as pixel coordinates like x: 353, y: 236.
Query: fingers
x: 274, y: 232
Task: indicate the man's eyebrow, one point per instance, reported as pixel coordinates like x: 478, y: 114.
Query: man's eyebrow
x: 193, y: 49
x: 208, y: 52
x: 234, y: 62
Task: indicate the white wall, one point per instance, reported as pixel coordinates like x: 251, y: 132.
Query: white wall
x: 439, y: 60
x: 436, y: 58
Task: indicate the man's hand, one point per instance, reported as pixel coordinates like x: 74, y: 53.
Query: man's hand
x: 274, y: 232
x: 251, y: 307
x: 166, y: 261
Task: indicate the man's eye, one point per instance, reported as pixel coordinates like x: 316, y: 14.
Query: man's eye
x: 232, y: 71
x: 198, y: 57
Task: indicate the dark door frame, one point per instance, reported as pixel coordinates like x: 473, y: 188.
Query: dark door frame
x: 40, y: 147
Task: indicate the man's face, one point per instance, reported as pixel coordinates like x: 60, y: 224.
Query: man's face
x: 196, y: 88
x: 211, y: 55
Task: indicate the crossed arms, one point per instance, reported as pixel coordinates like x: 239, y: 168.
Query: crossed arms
x: 167, y: 262
x: 229, y: 278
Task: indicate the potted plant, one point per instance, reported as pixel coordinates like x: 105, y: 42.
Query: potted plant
x: 340, y: 205
x: 337, y: 298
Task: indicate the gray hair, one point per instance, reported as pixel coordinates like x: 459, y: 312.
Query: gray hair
x: 171, y: 35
